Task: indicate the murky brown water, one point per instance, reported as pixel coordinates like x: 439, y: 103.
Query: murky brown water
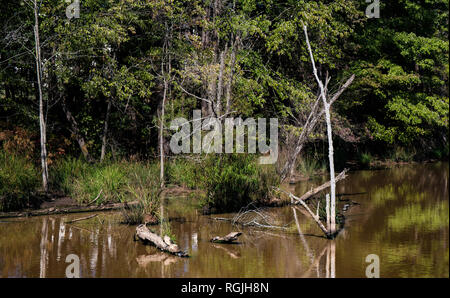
x: 403, y: 218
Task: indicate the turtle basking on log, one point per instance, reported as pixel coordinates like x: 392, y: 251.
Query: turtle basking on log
x: 230, y: 238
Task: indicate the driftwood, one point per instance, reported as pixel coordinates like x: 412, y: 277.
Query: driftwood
x: 230, y: 238
x: 165, y: 244
x: 81, y: 218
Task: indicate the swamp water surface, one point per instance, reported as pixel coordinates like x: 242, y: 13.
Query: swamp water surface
x: 402, y: 216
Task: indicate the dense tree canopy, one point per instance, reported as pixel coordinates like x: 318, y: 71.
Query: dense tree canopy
x: 243, y: 57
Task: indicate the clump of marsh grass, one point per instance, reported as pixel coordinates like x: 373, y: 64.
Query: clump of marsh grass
x: 115, y: 182
x: 365, y: 159
x: 234, y: 180
x: 400, y: 154
x: 143, y: 187
x: 19, y: 179
x: 185, y: 172
x: 310, y: 167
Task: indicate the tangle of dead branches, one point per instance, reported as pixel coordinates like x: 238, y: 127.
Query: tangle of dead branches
x: 255, y: 217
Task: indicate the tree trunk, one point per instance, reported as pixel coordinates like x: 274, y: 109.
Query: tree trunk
x: 161, y: 135
x: 327, y: 208
x: 42, y: 126
x: 230, y: 79
x: 220, y: 83
x: 332, y: 177
x: 76, y: 131
x: 105, y: 131
x: 327, y: 105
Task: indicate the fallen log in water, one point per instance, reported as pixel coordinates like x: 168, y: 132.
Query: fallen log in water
x: 230, y: 238
x: 164, y: 244
x: 65, y: 210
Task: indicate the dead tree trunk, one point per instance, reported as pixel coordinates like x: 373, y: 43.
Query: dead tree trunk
x: 330, y: 136
x: 330, y: 229
x: 164, y: 244
x: 42, y: 126
x: 166, y: 69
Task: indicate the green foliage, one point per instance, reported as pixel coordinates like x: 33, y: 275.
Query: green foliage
x: 19, y: 179
x: 115, y: 53
x: 66, y: 171
x: 133, y: 215
x: 166, y: 230
x: 441, y: 153
x: 401, y: 154
x: 365, y: 159
x: 184, y: 172
x: 143, y: 187
x: 232, y: 181
x: 310, y: 167
x: 109, y: 181
x: 401, y: 89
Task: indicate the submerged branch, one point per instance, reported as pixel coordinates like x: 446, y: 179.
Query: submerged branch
x: 81, y: 218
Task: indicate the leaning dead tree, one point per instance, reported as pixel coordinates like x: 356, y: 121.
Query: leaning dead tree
x: 312, y: 192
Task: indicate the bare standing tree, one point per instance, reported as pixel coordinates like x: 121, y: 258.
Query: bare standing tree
x: 329, y: 228
x: 166, y: 68
x: 327, y: 105
x: 42, y: 126
x: 313, y: 118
